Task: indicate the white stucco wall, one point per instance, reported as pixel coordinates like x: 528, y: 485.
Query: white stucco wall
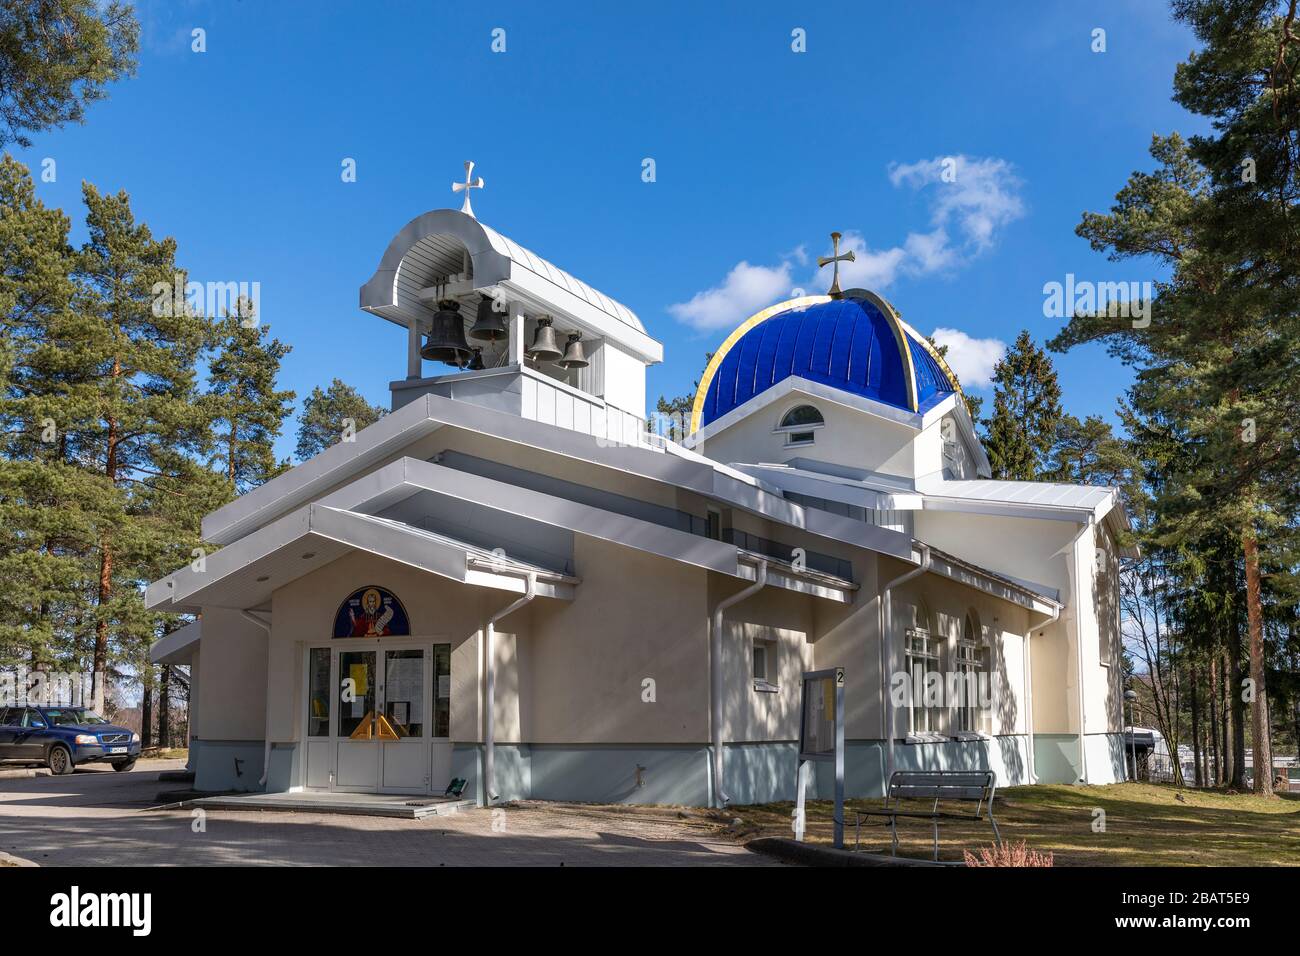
x: 850, y: 437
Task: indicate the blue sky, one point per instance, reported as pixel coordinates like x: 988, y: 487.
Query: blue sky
x: 759, y: 153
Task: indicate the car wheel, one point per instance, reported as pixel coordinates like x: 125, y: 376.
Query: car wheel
x: 59, y: 760
x: 122, y: 766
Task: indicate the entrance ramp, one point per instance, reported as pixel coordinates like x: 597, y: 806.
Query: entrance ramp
x: 402, y: 806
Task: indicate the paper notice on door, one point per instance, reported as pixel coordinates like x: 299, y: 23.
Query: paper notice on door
x: 405, y: 682
x: 360, y: 685
x: 444, y: 686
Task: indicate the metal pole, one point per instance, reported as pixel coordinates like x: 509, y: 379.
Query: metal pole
x: 839, y: 758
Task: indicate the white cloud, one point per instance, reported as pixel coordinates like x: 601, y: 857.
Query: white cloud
x: 981, y: 197
x: 972, y: 360
x: 969, y: 206
x: 744, y: 291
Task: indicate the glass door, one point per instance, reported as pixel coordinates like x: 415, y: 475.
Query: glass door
x: 358, y: 721
x: 404, y: 721
x: 372, y: 714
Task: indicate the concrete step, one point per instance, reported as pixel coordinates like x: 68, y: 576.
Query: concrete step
x: 357, y: 804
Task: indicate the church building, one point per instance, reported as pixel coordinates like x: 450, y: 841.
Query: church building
x: 511, y: 580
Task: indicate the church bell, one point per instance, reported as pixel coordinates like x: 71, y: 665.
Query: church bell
x: 545, y: 348
x: 476, y: 363
x: 574, y: 357
x: 488, y: 323
x: 446, y: 339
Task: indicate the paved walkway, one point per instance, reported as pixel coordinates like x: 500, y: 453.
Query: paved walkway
x: 97, y: 817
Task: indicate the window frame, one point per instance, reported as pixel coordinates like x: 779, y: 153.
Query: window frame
x: 971, y: 655
x: 930, y: 650
x: 767, y: 683
x: 797, y: 435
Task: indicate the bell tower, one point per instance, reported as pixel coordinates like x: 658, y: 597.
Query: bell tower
x: 492, y: 323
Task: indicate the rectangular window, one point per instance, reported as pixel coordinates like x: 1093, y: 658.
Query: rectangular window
x: 714, y: 528
x: 760, y: 662
x: 922, y: 660
x: 972, y: 672
x: 318, y: 692
x: 357, y: 694
x: 799, y: 438
x: 442, y: 690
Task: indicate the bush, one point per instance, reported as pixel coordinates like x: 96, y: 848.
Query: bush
x: 1008, y: 854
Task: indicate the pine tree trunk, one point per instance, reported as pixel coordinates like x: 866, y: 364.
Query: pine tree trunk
x: 146, y: 710
x: 1216, y: 761
x: 1225, y: 674
x: 1262, y: 751
x: 106, y: 567
x: 164, y: 707
x: 99, y: 665
x: 1197, y: 774
x: 1238, y: 712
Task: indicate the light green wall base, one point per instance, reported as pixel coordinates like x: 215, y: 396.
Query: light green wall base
x: 1057, y: 758
x: 754, y: 773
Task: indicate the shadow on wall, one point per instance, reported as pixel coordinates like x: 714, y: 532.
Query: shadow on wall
x: 1014, y: 768
x: 1105, y: 598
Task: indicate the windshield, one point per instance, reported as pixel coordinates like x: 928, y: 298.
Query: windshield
x: 68, y: 716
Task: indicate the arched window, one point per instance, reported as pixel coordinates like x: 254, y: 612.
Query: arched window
x: 799, y: 424
x: 972, y: 670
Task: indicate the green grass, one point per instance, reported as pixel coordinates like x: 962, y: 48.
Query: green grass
x: 1145, y: 825
x: 172, y: 753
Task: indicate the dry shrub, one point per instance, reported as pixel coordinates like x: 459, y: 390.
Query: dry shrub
x: 1008, y: 854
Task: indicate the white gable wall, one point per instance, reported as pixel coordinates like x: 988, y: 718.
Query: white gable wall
x: 850, y: 438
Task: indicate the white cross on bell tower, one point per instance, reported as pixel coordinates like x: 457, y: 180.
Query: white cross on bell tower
x: 469, y: 183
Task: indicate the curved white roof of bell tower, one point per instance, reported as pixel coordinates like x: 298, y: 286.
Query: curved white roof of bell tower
x: 434, y: 247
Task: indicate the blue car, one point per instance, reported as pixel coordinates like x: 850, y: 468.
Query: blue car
x: 65, y: 737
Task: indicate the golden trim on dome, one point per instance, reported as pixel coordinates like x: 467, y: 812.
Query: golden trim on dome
x: 900, y: 338
x: 697, y: 409
x: 922, y: 341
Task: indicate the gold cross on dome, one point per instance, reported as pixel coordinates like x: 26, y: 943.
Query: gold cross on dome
x: 823, y: 261
x: 469, y: 183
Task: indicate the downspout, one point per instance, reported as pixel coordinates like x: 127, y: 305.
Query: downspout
x: 266, y: 727
x: 720, y: 796
x: 887, y: 657
x: 490, y: 685
x: 1078, y: 641
x: 1029, y: 693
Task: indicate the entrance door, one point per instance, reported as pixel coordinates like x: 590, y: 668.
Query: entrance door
x: 404, y: 722
x: 368, y: 721
x: 357, y: 696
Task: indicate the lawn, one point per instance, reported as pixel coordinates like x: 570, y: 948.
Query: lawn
x: 1144, y: 825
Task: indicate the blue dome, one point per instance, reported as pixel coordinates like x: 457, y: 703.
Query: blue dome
x: 850, y: 344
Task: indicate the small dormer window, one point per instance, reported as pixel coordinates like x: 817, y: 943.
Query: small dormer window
x: 799, y: 424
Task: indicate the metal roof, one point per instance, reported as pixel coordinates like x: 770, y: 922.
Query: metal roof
x: 445, y: 244
x: 1042, y: 493
x: 856, y: 344
x: 555, y: 274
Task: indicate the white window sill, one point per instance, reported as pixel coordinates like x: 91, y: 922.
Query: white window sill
x: 926, y: 738
x: 765, y: 687
x: 967, y: 735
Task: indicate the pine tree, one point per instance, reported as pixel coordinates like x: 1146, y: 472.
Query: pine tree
x: 134, y: 414
x: 1218, y: 372
x: 1026, y: 412
x: 249, y: 411
x: 56, y: 57
x: 44, y: 533
x: 329, y: 415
